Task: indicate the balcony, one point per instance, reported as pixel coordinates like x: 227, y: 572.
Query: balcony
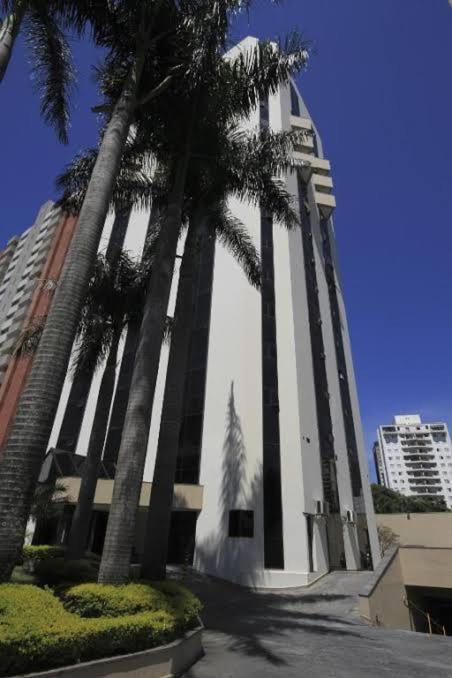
x: 299, y: 123
x: 416, y: 465
x: 326, y: 203
x: 317, y: 164
x: 322, y: 183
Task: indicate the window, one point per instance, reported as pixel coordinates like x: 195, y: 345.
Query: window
x: 294, y: 101
x: 241, y: 524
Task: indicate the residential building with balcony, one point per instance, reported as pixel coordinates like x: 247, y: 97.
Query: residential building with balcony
x: 415, y: 458
x: 30, y: 267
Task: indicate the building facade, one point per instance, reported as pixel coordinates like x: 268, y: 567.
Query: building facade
x: 35, y: 261
x: 21, y: 266
x: 271, y: 434
x: 415, y: 458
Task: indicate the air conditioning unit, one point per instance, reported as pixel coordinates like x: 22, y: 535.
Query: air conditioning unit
x: 350, y: 516
x: 321, y: 508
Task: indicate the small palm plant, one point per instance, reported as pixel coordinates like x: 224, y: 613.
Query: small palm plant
x: 113, y: 301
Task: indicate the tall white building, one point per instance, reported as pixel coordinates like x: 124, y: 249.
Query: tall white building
x: 272, y: 473
x: 415, y: 458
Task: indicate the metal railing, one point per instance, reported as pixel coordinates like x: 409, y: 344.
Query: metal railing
x: 432, y: 623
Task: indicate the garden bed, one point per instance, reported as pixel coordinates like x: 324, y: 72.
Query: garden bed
x: 40, y: 631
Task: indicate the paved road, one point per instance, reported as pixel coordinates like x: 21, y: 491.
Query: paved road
x: 310, y: 633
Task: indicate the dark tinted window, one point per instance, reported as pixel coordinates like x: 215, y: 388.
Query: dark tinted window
x: 241, y: 524
x: 294, y: 101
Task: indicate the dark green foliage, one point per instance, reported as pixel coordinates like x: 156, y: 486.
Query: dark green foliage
x: 390, y: 501
x: 58, y: 571
x: 107, y: 600
x: 37, y: 632
x: 43, y: 552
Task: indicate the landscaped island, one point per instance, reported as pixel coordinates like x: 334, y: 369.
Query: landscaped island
x: 42, y: 628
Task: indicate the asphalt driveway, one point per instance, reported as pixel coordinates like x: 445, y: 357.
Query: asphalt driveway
x: 308, y: 633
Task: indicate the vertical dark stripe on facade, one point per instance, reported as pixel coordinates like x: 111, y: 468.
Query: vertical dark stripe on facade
x: 121, y: 399
x: 78, y: 395
x: 325, y: 426
x: 190, y: 439
x: 273, y: 518
x: 349, y: 424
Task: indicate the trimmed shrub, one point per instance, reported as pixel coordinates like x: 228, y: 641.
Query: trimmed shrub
x: 57, y: 571
x: 37, y: 632
x: 43, y: 552
x: 105, y: 600
x: 182, y: 601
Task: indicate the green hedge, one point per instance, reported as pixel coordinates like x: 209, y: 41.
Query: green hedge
x: 104, y: 600
x: 37, y: 632
x: 58, y: 571
x: 43, y: 552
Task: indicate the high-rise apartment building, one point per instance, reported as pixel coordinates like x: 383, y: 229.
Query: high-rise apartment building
x: 26, y: 256
x: 30, y: 267
x: 271, y: 475
x: 415, y: 458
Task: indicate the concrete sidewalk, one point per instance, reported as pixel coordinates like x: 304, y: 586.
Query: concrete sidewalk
x: 307, y: 633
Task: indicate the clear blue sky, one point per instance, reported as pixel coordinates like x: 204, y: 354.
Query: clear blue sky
x: 380, y: 89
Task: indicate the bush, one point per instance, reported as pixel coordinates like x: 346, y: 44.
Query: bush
x: 56, y: 571
x: 182, y: 601
x: 37, y: 632
x: 105, y: 600
x: 43, y: 552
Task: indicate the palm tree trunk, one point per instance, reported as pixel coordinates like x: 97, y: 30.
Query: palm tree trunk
x: 82, y: 516
x: 9, y: 31
x: 26, y: 445
x: 159, y: 515
x: 120, y: 533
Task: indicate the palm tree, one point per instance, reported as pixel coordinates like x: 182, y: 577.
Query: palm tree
x: 138, y: 66
x: 230, y: 88
x: 112, y: 302
x: 245, y: 165
x: 42, y: 22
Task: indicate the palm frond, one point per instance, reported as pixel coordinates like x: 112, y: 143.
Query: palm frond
x: 260, y: 70
x: 47, y: 500
x: 151, y: 245
x: 30, y: 337
x: 133, y: 186
x: 114, y: 298
x: 52, y: 68
x: 233, y: 235
x: 249, y: 166
x: 276, y: 200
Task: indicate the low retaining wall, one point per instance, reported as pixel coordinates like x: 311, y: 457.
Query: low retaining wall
x: 167, y: 661
x: 381, y: 600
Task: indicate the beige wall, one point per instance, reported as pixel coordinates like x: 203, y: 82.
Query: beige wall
x: 185, y: 496
x: 420, y: 529
x: 424, y: 560
x: 384, y: 605
x: 431, y: 567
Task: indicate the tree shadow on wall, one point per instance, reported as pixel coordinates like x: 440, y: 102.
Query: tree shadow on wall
x: 234, y: 558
